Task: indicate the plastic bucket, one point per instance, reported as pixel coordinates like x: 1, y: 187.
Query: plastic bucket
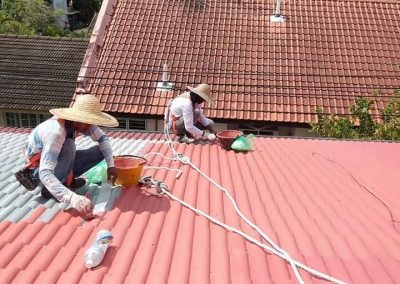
x: 226, y: 137
x: 129, y: 168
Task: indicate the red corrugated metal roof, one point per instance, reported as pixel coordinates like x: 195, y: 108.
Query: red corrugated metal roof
x: 326, y: 54
x: 331, y: 204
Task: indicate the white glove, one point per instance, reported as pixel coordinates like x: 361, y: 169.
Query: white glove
x: 79, y: 202
x: 211, y: 137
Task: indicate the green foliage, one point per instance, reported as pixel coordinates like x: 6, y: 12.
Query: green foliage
x: 32, y: 17
x: 390, y: 128
x: 8, y: 25
x: 361, y: 112
x: 360, y: 123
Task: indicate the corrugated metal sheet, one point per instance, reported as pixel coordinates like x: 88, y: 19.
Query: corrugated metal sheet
x: 330, y: 204
x: 326, y: 54
x: 17, y: 204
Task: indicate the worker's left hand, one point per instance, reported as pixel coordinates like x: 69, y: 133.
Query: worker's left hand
x: 112, y: 174
x: 211, y: 137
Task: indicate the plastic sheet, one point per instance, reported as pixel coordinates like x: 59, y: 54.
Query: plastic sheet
x: 98, y: 173
x: 243, y: 143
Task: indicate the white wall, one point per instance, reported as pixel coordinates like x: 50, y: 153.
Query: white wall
x: 61, y: 5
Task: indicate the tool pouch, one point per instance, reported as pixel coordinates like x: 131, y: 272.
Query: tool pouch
x: 25, y: 178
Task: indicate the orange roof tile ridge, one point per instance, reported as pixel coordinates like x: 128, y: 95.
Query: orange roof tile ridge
x: 96, y: 42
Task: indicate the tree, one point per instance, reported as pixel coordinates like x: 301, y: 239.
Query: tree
x: 29, y: 17
x: 8, y: 25
x: 360, y: 123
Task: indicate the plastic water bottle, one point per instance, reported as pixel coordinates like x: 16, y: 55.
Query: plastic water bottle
x: 95, y: 254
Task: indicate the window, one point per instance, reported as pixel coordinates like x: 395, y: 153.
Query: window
x: 131, y: 123
x: 137, y: 124
x: 29, y: 120
x: 258, y: 129
x: 122, y: 123
x: 12, y: 120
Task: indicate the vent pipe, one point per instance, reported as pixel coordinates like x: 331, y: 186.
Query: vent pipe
x: 277, y: 17
x: 164, y: 85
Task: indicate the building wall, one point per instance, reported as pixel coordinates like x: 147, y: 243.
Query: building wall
x: 302, y: 132
x: 62, y: 21
x: 218, y: 126
x: 279, y: 130
x: 151, y: 125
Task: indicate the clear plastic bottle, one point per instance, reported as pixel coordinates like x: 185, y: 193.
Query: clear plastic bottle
x: 95, y: 254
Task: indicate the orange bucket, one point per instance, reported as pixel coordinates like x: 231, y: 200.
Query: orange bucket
x: 129, y: 168
x: 226, y: 137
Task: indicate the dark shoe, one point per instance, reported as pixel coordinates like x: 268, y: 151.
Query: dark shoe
x: 77, y: 183
x: 25, y: 178
x: 46, y: 193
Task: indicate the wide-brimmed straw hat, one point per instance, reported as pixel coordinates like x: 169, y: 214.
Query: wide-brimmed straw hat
x: 203, y: 90
x: 86, y: 109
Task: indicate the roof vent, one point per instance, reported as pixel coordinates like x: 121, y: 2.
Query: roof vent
x: 277, y: 17
x: 164, y: 85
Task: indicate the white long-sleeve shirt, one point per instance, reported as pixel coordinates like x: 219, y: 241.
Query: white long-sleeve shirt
x: 48, y: 138
x: 182, y: 106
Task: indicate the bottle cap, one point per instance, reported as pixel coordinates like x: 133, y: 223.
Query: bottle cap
x: 89, y: 263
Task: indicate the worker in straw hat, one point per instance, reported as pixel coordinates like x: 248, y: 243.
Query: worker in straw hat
x: 184, y: 115
x: 52, y: 157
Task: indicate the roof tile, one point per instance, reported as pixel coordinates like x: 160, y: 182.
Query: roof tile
x: 33, y: 69
x: 309, y: 197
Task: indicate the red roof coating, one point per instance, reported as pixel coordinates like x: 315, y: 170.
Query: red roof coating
x: 331, y: 204
x: 325, y: 54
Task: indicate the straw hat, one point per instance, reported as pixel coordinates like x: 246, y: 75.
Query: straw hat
x: 86, y: 109
x: 203, y: 90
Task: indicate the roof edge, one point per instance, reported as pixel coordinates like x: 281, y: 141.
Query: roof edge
x: 95, y: 43
x: 43, y: 37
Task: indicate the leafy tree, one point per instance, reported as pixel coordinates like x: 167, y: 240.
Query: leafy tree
x: 360, y: 123
x: 29, y: 17
x: 390, y: 128
x: 8, y: 25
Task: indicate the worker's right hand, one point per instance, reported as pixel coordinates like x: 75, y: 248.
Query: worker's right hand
x: 211, y: 137
x: 81, y: 203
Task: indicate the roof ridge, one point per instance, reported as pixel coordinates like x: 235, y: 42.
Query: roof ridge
x: 41, y: 37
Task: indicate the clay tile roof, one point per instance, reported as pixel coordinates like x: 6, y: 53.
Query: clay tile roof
x: 38, y: 73
x: 325, y: 54
x: 332, y: 205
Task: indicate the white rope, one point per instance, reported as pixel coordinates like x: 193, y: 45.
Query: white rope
x: 275, y: 248
x: 251, y: 239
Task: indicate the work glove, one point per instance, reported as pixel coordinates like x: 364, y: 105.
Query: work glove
x: 211, y: 137
x: 79, y: 202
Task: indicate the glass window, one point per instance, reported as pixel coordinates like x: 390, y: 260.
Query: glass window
x: 29, y: 120
x: 33, y: 120
x: 43, y: 117
x: 24, y: 120
x: 12, y: 119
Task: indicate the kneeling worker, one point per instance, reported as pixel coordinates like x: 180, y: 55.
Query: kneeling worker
x: 184, y: 115
x: 52, y: 158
